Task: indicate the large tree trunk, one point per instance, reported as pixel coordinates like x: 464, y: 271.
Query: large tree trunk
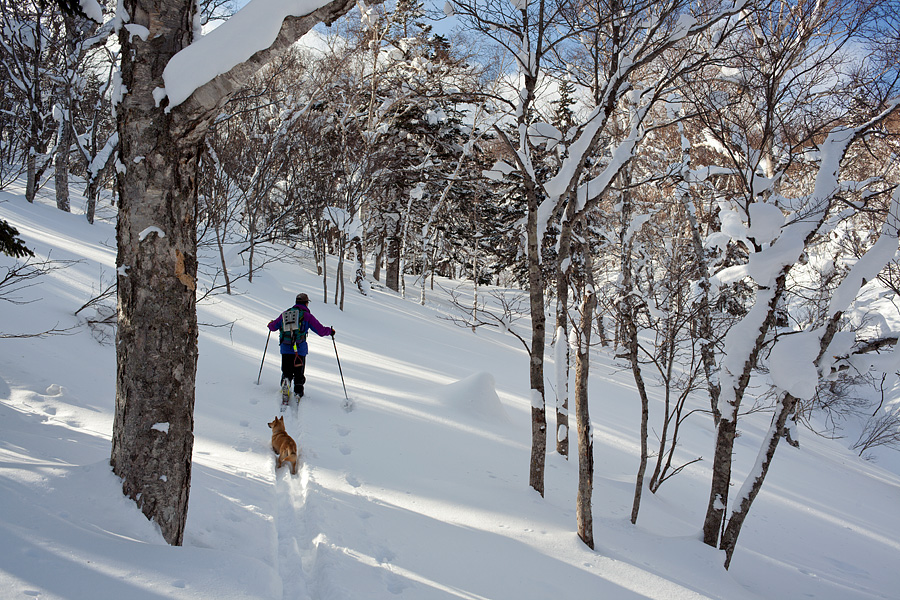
x: 156, y: 339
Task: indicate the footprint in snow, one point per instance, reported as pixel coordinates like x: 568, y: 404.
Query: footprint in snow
x: 384, y: 555
x: 395, y: 584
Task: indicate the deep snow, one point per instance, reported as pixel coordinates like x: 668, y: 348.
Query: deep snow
x: 420, y: 492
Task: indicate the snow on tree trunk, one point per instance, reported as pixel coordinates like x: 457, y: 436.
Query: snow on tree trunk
x: 745, y: 341
x: 754, y: 482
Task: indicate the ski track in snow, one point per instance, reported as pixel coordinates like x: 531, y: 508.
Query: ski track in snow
x: 290, y: 523
x: 312, y: 565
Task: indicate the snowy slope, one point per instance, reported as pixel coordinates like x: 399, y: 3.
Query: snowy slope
x: 420, y: 492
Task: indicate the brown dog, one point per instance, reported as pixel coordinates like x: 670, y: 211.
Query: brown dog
x: 283, y: 445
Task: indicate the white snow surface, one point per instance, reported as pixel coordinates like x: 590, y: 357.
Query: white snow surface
x: 791, y: 363
x: 420, y: 492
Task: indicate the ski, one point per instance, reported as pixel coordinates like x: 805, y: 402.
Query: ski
x: 285, y: 395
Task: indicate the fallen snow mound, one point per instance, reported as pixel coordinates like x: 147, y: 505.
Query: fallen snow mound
x: 475, y: 395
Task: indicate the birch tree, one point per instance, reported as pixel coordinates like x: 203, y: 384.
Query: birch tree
x: 770, y: 115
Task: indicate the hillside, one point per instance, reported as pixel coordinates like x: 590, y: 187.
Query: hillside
x: 420, y: 492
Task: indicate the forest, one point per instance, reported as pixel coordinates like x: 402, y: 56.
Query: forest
x: 710, y: 188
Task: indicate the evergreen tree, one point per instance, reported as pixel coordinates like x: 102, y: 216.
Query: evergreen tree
x: 10, y: 243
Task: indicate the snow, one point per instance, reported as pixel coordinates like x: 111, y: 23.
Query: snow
x: 421, y: 492
x: 341, y: 220
x: 544, y: 133
x: 92, y: 9
x: 872, y: 262
x: 476, y: 396
x: 152, y: 229
x: 498, y: 171
x: 251, y: 29
x: 791, y: 363
x: 139, y: 31
x: 766, y: 221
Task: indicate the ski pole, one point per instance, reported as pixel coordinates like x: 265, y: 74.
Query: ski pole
x: 264, y: 358
x: 339, y: 368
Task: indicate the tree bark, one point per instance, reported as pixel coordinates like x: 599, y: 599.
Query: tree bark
x: 583, y: 514
x: 538, y: 333
x: 392, y: 267
x: 562, y: 327
x: 627, y: 310
x: 156, y: 338
x: 67, y: 110
x: 360, y: 277
x: 739, y: 514
x: 61, y: 171
x: 35, y: 111
x: 727, y: 428
x: 721, y: 479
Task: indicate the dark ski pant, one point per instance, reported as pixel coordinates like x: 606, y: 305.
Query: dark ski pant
x: 293, y: 368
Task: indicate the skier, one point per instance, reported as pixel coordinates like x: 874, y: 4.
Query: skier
x: 293, y: 325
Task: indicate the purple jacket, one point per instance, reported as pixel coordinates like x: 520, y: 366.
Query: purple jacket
x: 308, y: 322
